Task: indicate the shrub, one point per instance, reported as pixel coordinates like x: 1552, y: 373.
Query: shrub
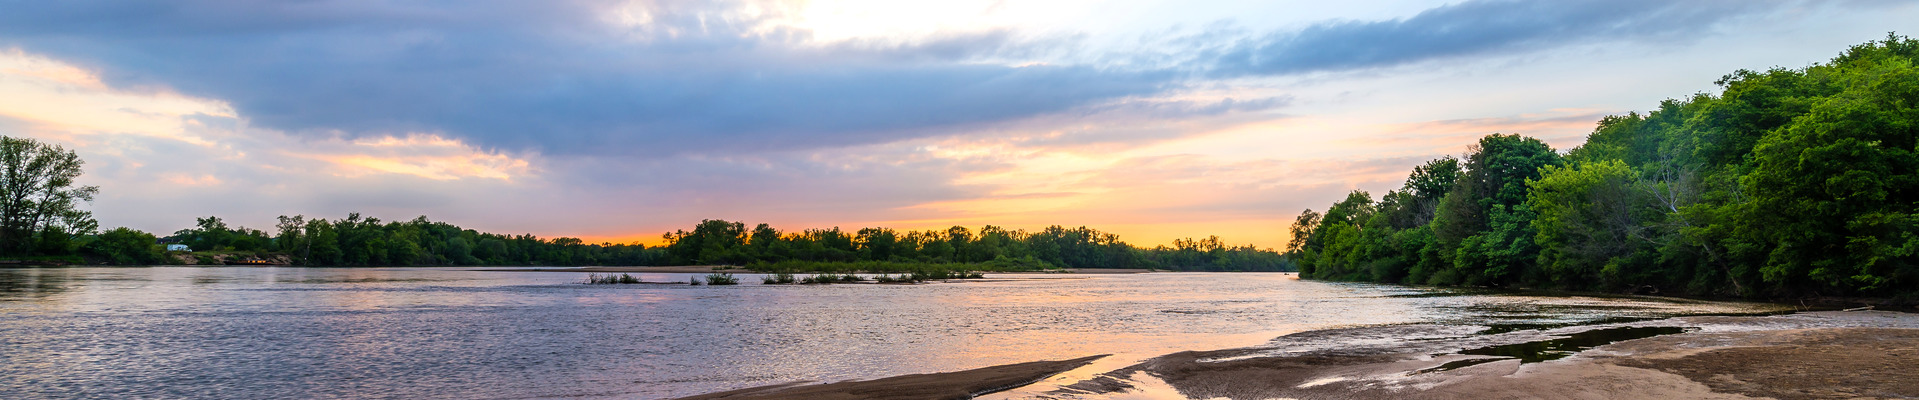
x: 610, y: 279
x: 777, y: 279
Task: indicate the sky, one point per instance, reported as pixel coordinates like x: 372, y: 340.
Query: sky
x: 616, y: 121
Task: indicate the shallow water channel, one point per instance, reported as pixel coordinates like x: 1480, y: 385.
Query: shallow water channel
x: 240, y: 332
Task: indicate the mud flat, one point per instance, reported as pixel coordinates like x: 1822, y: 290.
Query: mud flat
x: 1815, y: 355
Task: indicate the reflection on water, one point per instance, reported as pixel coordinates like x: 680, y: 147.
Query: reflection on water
x: 32, y: 283
x: 1553, y: 349
x: 229, y: 332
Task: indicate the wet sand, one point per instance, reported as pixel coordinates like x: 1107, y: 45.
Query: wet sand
x: 1815, y: 355
x: 1822, y: 355
x: 949, y: 385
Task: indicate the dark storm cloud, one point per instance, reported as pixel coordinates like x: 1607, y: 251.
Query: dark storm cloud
x: 698, y: 77
x: 1474, y: 28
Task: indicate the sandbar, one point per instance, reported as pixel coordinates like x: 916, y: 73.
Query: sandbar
x: 937, y: 386
x: 1808, y: 355
x: 1815, y: 355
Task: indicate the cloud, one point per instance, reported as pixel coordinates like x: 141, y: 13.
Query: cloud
x: 563, y: 78
x: 610, y: 118
x: 158, y: 155
x: 660, y: 78
x: 1154, y: 199
x: 1473, y: 28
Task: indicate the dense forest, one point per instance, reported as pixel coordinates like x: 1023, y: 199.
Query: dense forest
x: 722, y: 242
x: 1789, y: 182
x: 40, y: 221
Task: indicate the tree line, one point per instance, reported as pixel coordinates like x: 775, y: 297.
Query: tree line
x: 40, y: 219
x: 724, y: 242
x: 1789, y: 182
x: 357, y: 240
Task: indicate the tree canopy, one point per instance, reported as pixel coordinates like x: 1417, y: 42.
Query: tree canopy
x: 1788, y: 182
x: 39, y: 203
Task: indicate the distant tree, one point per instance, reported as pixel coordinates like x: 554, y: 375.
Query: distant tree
x: 38, y: 198
x: 711, y: 242
x: 1302, y: 231
x: 291, y: 238
x: 126, y: 246
x: 878, y: 244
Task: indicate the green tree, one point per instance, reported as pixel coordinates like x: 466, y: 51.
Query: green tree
x: 1484, y: 220
x: 1787, y: 182
x: 1835, y: 194
x: 127, y: 246
x: 1590, y: 218
x: 38, y: 198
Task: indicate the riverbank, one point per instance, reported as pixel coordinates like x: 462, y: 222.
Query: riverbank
x: 939, y: 386
x: 1812, y: 355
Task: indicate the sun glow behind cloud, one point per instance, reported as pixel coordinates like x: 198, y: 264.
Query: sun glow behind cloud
x: 151, y: 146
x: 73, y: 101
x: 424, y: 155
x: 65, y: 100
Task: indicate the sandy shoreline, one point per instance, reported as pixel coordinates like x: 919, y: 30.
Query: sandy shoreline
x: 1816, y: 355
x: 948, y: 385
x: 1813, y: 355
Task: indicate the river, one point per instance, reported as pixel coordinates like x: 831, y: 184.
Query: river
x: 243, y: 332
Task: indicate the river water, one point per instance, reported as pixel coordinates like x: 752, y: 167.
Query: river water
x: 237, y: 332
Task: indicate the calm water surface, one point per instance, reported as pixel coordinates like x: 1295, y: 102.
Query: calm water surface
x: 229, y: 332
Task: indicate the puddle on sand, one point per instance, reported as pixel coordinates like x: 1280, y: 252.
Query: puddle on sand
x: 1494, y: 329
x: 1532, y: 352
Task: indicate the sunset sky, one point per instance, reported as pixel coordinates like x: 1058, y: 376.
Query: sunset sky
x: 620, y: 120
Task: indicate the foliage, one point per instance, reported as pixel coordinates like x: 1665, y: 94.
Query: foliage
x: 39, y: 204
x: 357, y: 240
x: 1789, y: 182
x: 721, y: 278
x: 610, y: 279
x: 783, y: 278
x: 991, y: 248
x: 128, y: 247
